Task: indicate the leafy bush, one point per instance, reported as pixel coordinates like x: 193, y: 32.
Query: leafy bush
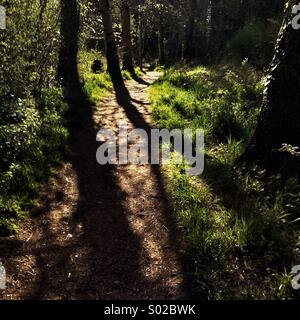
x: 33, y: 136
x: 33, y: 125
x: 31, y: 144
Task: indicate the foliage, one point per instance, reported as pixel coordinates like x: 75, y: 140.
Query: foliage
x: 32, y: 126
x: 32, y: 144
x: 96, y: 85
x: 239, y: 228
x: 223, y: 101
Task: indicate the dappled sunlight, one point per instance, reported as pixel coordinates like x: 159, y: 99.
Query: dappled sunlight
x: 143, y: 195
x: 104, y: 233
x: 149, y: 150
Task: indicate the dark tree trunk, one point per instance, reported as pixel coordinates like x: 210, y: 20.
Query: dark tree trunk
x: 70, y: 22
x: 126, y: 37
x: 220, y: 29
x: 279, y: 122
x: 113, y: 62
x: 180, y: 47
x: 141, y: 40
x: 190, y: 30
x: 161, y: 43
x: 215, y: 37
x: 195, y: 43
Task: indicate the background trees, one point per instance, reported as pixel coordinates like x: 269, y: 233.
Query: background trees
x: 174, y: 30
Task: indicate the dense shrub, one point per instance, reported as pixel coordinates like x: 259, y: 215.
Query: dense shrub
x: 33, y: 130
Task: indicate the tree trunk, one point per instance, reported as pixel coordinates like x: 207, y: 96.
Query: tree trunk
x: 113, y: 62
x: 126, y: 37
x: 141, y: 32
x: 70, y: 22
x: 190, y: 29
x: 279, y: 120
x: 161, y: 43
x: 218, y: 28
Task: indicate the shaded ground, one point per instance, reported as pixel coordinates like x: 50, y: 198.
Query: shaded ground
x: 106, y: 232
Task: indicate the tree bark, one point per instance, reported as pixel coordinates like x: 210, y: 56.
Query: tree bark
x: 69, y: 27
x: 279, y: 120
x: 126, y: 37
x: 190, y: 29
x: 161, y: 43
x: 113, y: 62
x: 141, y: 40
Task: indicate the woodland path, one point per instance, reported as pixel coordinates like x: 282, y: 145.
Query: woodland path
x: 105, y: 232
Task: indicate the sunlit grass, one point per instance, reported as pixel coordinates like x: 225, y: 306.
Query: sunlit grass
x: 96, y: 85
x: 236, y: 225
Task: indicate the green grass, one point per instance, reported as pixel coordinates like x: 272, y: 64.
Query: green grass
x: 96, y: 85
x: 34, y: 139
x: 239, y: 229
x: 223, y: 101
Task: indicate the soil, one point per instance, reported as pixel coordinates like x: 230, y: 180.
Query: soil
x: 104, y: 232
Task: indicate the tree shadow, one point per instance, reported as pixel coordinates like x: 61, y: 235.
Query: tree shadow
x: 137, y: 120
x: 141, y: 102
x: 108, y: 250
x: 98, y: 255
x: 223, y: 180
x: 267, y: 234
x: 139, y: 80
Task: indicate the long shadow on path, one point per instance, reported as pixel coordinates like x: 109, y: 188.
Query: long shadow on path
x: 84, y: 245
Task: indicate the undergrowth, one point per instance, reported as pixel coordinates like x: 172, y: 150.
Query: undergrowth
x: 32, y: 141
x: 34, y: 133
x: 96, y: 85
x: 240, y: 229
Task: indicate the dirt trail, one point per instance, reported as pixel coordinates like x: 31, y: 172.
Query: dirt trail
x: 107, y: 231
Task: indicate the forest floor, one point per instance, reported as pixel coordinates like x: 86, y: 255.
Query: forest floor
x: 104, y: 232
